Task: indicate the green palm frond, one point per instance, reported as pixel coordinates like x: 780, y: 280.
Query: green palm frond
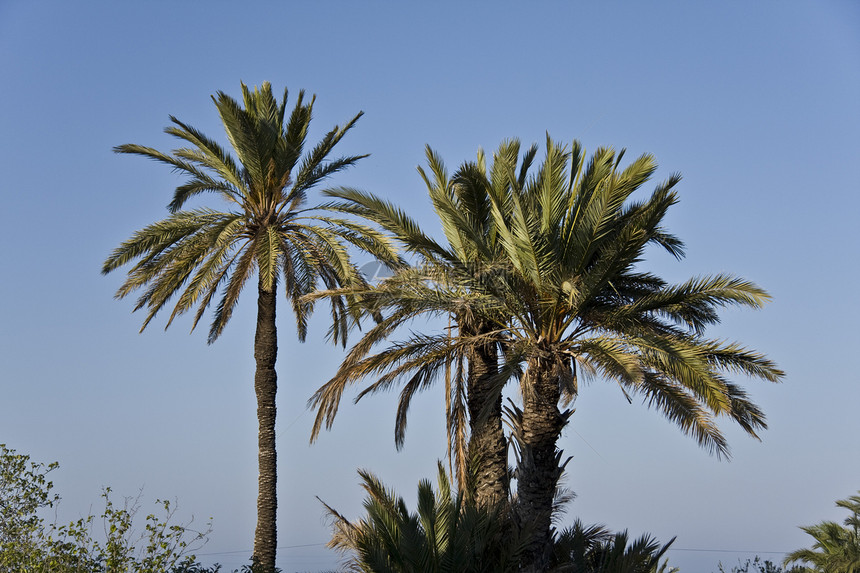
x: 207, y: 154
x: 683, y: 409
x: 150, y: 242
x: 611, y: 357
x: 239, y: 276
x: 211, y: 271
x: 456, y: 417
x: 313, y: 169
x: 388, y: 216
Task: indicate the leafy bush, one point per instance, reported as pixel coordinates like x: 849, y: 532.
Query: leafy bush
x: 29, y: 543
x: 755, y: 566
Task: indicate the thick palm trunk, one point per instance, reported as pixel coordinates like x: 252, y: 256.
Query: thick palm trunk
x: 487, y: 450
x: 265, y: 387
x: 539, y: 467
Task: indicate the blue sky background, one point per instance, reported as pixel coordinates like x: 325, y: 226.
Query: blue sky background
x: 755, y: 103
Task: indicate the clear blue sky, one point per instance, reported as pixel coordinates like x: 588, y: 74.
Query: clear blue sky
x: 755, y: 103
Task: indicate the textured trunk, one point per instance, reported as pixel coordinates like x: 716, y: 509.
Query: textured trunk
x: 265, y: 387
x: 487, y: 450
x: 539, y: 468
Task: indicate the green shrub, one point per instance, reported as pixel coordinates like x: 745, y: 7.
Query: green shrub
x: 29, y: 543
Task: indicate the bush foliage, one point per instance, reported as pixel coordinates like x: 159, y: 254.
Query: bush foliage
x: 30, y: 543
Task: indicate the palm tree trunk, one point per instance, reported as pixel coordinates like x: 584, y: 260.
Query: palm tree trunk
x: 539, y: 469
x: 487, y: 450
x: 265, y: 387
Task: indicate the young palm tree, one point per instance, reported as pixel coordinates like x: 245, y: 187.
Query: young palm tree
x: 594, y: 549
x: 266, y: 230
x: 449, y: 533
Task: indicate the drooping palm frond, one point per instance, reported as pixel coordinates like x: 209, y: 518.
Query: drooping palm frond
x: 456, y: 416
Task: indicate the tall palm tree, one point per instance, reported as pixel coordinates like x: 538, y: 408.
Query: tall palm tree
x: 448, y: 533
x: 267, y: 229
x: 472, y: 373
x: 580, y: 306
x: 566, y: 283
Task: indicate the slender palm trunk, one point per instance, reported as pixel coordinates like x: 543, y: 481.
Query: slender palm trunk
x: 487, y: 450
x: 265, y: 387
x: 539, y: 467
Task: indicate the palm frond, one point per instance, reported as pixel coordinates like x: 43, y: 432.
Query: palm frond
x: 312, y: 169
x: 684, y: 410
x: 388, y: 216
x: 240, y: 275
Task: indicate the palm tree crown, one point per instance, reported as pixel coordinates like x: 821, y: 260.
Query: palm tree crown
x: 580, y: 306
x: 268, y: 230
x: 836, y: 548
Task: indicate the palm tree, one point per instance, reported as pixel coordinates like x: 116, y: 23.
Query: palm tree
x: 267, y: 230
x: 579, y: 306
x: 836, y: 548
x: 565, y: 282
x: 448, y: 533
x: 439, y: 283
x: 594, y: 549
